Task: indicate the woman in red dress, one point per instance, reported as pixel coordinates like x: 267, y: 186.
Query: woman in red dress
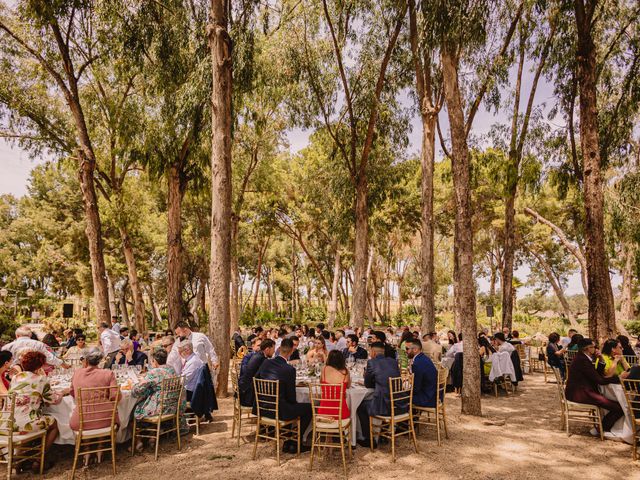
x: 334, y: 372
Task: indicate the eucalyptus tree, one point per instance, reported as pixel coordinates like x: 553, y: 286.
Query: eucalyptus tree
x: 344, y: 52
x: 47, y: 49
x: 467, y: 32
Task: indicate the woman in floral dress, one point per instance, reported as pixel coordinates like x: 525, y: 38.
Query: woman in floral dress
x: 149, y: 389
x: 33, y: 392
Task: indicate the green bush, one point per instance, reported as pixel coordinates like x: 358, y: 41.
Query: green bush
x: 314, y: 315
x: 633, y: 327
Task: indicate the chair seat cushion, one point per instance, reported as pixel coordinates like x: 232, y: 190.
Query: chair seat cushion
x: 157, y: 418
x: 332, y: 425
x: 272, y: 421
x: 580, y: 406
x: 98, y: 432
x: 26, y: 437
x: 397, y: 418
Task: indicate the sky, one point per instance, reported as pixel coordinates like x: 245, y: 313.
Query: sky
x: 15, y: 166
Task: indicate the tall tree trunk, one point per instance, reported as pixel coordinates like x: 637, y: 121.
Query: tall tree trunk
x: 136, y: 288
x: 235, y: 276
x: 429, y: 116
x: 627, y: 310
x: 600, y: 295
x: 124, y: 310
x: 557, y: 289
x: 112, y: 297
x: 359, y: 304
x: 155, y: 310
x: 175, y: 189
x: 463, y: 238
x: 333, y: 305
x: 261, y: 254
x: 219, y: 319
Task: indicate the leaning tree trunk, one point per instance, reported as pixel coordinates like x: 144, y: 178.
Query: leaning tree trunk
x: 235, y: 276
x: 156, y: 317
x: 219, y: 319
x: 333, y: 306
x: 463, y: 239
x: 174, y: 244
x: 600, y: 295
x: 136, y: 288
x: 359, y: 304
x: 124, y: 310
x: 112, y: 297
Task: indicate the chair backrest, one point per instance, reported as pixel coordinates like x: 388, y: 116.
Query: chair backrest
x: 569, y: 356
x: 632, y: 397
x: 443, y: 375
x: 632, y: 359
x: 520, y: 348
x: 97, y: 406
x: 267, y: 394
x: 559, y: 382
x: 235, y: 375
x: 7, y: 416
x: 401, y: 392
x: 326, y: 401
x: 171, y: 395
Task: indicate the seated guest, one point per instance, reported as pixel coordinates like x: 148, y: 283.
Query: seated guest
x: 334, y: 372
x: 295, y: 355
x: 69, y: 338
x: 425, y: 375
x: 173, y: 357
x: 247, y: 372
x: 515, y: 338
x: 149, y: 389
x: 328, y: 340
x: 573, y: 344
x: 33, y: 392
x: 124, y: 333
x: 583, y: 381
x: 502, y: 344
x: 555, y: 353
x: 5, y: 365
x: 379, y: 369
x: 25, y: 342
x: 341, y: 340
x: 611, y: 362
x: 288, y: 407
x: 254, y: 345
x: 191, y: 367
x: 627, y: 350
x: 128, y: 355
x: 237, y: 339
x: 319, y: 353
x: 353, y: 350
x: 380, y: 336
x: 79, y: 350
x: 431, y: 347
x: 403, y: 359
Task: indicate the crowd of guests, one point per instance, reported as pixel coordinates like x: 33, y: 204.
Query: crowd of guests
x: 27, y: 362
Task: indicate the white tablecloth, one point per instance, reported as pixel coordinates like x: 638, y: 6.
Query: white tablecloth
x: 355, y: 396
x: 62, y: 414
x: 623, y: 428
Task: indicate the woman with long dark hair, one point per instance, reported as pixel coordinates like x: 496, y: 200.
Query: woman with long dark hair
x: 333, y: 373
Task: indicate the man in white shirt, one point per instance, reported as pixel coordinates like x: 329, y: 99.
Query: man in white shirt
x: 110, y: 341
x: 115, y: 326
x: 173, y: 357
x: 191, y: 367
x: 23, y: 342
x: 202, y: 347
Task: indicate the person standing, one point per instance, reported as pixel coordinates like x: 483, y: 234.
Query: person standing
x: 110, y: 341
x: 115, y: 325
x: 202, y: 346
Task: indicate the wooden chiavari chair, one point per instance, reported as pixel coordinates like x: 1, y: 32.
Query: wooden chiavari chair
x: 238, y: 409
x: 267, y: 394
x: 328, y: 424
x: 96, y: 406
x: 401, y: 392
x: 632, y: 397
x: 525, y: 365
x: 435, y: 416
x: 155, y: 426
x: 18, y: 448
x: 576, y: 412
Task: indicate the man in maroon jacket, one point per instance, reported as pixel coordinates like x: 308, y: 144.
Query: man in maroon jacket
x: 582, y: 385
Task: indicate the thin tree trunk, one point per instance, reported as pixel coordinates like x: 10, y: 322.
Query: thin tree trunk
x: 333, y: 305
x: 175, y: 190
x: 136, y: 288
x: 219, y: 318
x: 261, y: 254
x: 235, y: 294
x: 112, y: 297
x: 124, y: 310
x: 627, y: 310
x: 463, y: 237
x: 155, y: 310
x: 600, y: 295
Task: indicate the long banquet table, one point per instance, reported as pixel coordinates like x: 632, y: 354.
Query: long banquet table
x: 355, y: 396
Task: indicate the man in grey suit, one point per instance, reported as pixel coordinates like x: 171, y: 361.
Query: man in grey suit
x: 379, y: 370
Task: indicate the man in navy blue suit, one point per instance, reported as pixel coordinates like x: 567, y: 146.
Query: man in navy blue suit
x: 353, y: 350
x: 248, y: 371
x: 379, y: 369
x: 277, y: 368
x: 425, y: 375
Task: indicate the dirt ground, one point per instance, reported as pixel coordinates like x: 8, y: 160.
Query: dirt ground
x: 529, y: 445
